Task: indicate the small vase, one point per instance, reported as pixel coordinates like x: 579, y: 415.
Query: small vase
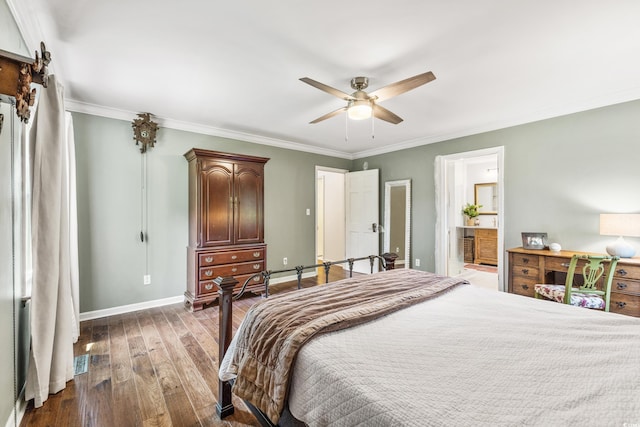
x: 476, y: 221
x: 471, y: 221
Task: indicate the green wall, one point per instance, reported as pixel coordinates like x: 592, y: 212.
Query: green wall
x: 559, y: 174
x: 112, y: 258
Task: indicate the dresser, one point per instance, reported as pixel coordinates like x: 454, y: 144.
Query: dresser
x: 486, y: 246
x: 226, y: 222
x: 528, y: 267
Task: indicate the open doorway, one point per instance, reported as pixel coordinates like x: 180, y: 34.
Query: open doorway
x: 472, y: 250
x: 330, y: 214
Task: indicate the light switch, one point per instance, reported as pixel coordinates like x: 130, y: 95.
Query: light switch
x: 308, y: 211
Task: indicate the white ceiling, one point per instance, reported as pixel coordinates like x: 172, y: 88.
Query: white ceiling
x: 231, y: 68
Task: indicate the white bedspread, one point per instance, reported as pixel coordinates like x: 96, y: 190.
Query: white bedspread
x: 474, y: 357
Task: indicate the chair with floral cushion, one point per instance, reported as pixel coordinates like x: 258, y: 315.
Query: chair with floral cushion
x: 594, y: 293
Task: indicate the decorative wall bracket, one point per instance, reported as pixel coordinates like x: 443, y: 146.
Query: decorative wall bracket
x: 16, y: 75
x: 144, y: 131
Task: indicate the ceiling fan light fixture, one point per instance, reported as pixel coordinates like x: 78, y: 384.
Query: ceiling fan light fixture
x: 360, y: 110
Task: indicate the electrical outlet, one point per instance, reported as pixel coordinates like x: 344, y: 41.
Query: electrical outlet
x: 146, y: 279
x: 308, y: 211
x: 397, y: 249
x: 417, y: 262
x: 284, y: 261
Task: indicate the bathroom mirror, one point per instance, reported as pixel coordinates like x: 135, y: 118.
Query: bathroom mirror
x: 487, y: 195
x: 397, y: 220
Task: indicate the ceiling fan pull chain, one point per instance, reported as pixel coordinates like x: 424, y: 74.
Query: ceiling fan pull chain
x: 373, y: 133
x: 346, y: 128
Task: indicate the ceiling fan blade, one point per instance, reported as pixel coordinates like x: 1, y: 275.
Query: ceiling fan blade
x: 402, y: 86
x: 333, y: 91
x: 329, y: 115
x: 386, y: 115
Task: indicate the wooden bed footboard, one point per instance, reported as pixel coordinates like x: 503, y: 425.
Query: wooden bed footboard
x: 226, y: 285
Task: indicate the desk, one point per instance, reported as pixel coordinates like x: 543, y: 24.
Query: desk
x: 528, y: 267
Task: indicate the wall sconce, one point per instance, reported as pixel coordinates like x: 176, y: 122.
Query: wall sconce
x: 620, y: 225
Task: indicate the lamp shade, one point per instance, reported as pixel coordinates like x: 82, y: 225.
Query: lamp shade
x: 620, y: 225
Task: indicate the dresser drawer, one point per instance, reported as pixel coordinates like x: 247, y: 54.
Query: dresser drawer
x: 207, y: 273
x: 627, y: 272
x: 558, y: 263
x: 217, y: 258
x: 525, y: 260
x: 626, y: 286
x: 625, y: 304
x: 520, y: 271
x: 524, y: 285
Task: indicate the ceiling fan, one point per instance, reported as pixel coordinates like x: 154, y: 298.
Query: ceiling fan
x: 361, y: 105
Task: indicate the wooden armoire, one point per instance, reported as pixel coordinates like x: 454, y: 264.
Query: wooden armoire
x: 226, y: 222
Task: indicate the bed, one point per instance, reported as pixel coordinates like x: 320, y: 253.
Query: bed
x: 451, y: 354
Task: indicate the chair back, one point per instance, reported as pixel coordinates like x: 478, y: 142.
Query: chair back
x: 592, y: 272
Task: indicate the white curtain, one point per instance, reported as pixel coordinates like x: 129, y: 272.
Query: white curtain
x: 54, y: 291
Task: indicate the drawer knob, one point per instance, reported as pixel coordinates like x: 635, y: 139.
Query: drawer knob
x: 565, y: 264
x: 525, y: 260
x: 256, y: 254
x: 622, y: 272
x: 525, y: 287
x: 525, y: 271
x: 256, y: 279
x: 234, y: 269
x: 621, y: 285
x: 208, y: 286
x: 621, y: 304
x: 234, y: 256
x: 256, y: 266
x: 209, y: 259
x: 208, y: 273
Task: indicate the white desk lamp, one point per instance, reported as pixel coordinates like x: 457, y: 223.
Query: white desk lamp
x: 620, y: 225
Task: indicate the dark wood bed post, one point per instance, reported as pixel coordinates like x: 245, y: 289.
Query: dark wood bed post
x: 225, y: 291
x: 390, y: 260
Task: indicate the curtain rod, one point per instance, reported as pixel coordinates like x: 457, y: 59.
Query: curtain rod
x: 17, y: 72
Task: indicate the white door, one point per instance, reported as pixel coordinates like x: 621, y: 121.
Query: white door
x: 362, y: 217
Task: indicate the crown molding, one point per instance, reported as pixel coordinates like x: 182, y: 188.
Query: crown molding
x: 113, y: 113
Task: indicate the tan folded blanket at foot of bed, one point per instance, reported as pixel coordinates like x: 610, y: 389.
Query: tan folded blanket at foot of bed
x: 275, y: 329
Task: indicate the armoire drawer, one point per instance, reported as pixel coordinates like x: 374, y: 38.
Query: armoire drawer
x: 209, y: 273
x: 217, y: 258
x: 209, y: 287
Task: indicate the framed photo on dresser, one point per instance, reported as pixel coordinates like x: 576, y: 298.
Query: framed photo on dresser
x: 534, y: 240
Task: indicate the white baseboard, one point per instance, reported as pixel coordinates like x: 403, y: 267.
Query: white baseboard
x: 15, y: 419
x: 96, y: 314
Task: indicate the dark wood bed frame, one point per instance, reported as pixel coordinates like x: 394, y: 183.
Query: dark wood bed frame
x: 226, y: 285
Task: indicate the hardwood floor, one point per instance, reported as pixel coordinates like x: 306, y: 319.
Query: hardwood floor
x: 155, y: 367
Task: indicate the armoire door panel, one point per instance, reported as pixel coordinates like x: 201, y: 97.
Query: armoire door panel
x: 217, y: 204
x: 248, y: 191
